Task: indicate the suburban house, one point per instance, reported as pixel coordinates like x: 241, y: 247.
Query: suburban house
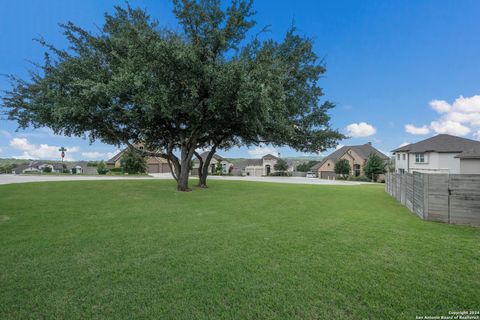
x: 356, y: 155
x: 154, y: 164
x: 37, y: 166
x: 442, y: 153
x: 227, y: 166
x: 259, y: 167
x: 55, y: 167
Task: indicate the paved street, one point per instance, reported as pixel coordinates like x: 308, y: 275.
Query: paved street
x: 10, y: 178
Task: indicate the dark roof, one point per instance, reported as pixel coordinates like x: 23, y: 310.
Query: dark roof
x: 473, y: 153
x: 440, y: 143
x: 249, y: 162
x: 363, y: 151
x: 115, y: 157
x: 269, y: 156
x: 215, y: 156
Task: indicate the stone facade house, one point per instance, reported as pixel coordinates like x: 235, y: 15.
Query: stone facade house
x: 154, y: 164
x: 355, y: 155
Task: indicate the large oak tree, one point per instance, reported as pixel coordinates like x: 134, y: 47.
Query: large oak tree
x: 174, y: 92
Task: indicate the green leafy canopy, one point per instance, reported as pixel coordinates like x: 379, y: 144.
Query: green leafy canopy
x: 207, y: 86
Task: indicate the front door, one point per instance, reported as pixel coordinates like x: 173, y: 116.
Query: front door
x: 268, y: 169
x: 356, y: 169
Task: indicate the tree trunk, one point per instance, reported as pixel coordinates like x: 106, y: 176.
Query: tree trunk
x: 200, y: 169
x: 184, y: 169
x: 203, y: 174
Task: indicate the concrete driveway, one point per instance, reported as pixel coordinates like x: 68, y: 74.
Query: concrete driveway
x: 18, y: 178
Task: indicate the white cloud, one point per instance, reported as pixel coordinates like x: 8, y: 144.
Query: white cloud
x: 93, y: 155
x: 476, y: 135
x: 99, y: 155
x: 361, y: 129
x: 41, y: 151
x: 441, y: 106
x: 450, y: 127
x: 467, y: 105
x: 410, y: 128
x: 260, y: 151
x: 404, y: 144
x: 5, y: 134
x: 339, y: 146
x: 459, y: 118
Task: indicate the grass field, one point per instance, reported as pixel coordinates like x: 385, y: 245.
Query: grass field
x: 238, y: 250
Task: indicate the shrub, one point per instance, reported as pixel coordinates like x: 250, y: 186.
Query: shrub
x: 374, y: 167
x: 281, y: 174
x: 359, y: 178
x: 342, y: 167
x: 102, y: 168
x: 134, y: 162
x: 281, y: 165
x: 47, y: 169
x: 306, y: 166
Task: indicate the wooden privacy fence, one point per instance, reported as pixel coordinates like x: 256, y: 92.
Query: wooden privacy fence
x: 450, y: 198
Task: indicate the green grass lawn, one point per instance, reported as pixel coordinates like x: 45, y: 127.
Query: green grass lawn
x: 238, y: 250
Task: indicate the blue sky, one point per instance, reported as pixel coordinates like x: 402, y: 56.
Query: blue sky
x: 399, y: 71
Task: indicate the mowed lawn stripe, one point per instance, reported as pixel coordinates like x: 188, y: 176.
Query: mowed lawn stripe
x: 124, y: 249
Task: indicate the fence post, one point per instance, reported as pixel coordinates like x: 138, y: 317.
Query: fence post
x: 413, y: 194
x: 425, y: 196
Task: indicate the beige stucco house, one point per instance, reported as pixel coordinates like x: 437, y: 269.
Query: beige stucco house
x: 260, y: 167
x: 227, y: 166
x: 355, y: 155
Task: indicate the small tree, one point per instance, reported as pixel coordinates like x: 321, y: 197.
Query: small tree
x: 102, y: 168
x: 134, y: 162
x: 47, y: 169
x: 306, y: 166
x: 219, y: 169
x: 342, y: 167
x: 374, y: 167
x: 391, y: 165
x: 281, y: 165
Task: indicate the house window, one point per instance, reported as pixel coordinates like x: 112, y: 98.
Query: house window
x: 419, y: 158
x: 404, y: 156
x: 398, y: 156
x: 401, y: 171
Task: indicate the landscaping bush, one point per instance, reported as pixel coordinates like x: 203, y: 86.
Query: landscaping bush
x: 134, y: 162
x: 116, y: 170
x: 47, y: 170
x: 102, y: 168
x: 281, y: 174
x: 342, y: 167
x: 359, y: 178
